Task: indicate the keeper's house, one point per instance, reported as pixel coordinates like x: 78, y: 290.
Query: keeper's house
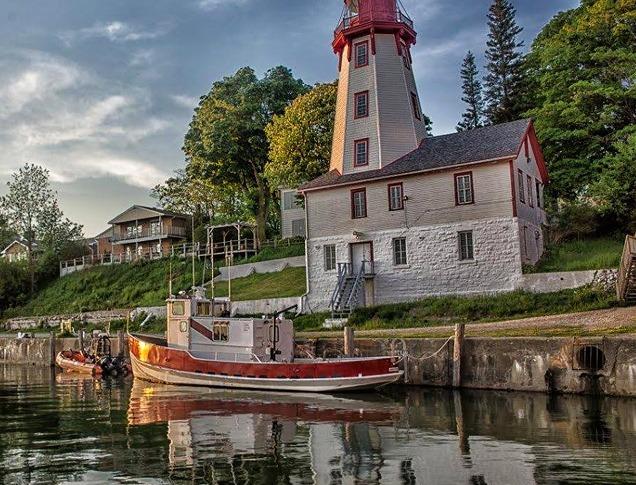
x: 400, y: 215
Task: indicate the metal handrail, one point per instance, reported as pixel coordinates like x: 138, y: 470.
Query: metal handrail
x: 344, y: 269
x: 356, y: 287
x: 348, y: 22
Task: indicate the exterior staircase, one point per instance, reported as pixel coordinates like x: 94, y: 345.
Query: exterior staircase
x: 347, y: 294
x: 626, y: 284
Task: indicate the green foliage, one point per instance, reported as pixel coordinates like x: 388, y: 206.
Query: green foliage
x: 14, y: 284
x: 582, y: 69
x: 472, y: 95
x: 439, y: 311
x: 505, y: 79
x: 226, y: 142
x: 145, y: 283
x: 573, y: 220
x: 582, y: 255
x: 300, y: 139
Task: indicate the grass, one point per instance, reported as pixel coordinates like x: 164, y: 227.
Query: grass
x: 287, y: 283
x: 581, y: 255
x: 440, y: 311
x: 145, y: 283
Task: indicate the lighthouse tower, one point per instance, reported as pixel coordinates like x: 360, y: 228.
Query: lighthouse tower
x: 378, y: 114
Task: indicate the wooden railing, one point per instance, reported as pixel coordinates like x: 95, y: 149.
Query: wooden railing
x: 148, y: 232
x: 625, y: 271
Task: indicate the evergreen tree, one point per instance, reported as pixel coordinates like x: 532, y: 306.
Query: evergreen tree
x: 471, y: 87
x: 505, y: 79
x: 428, y: 123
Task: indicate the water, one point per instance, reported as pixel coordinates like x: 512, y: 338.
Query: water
x: 69, y: 429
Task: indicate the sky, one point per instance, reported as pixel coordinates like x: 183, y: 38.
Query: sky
x: 101, y: 92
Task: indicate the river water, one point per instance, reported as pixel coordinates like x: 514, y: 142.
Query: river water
x: 59, y: 428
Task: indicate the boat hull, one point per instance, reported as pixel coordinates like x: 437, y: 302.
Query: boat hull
x: 157, y: 363
x: 71, y: 361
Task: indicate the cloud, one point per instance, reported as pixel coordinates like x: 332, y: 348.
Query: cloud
x: 77, y: 124
x: 213, y: 4
x: 116, y: 31
x: 188, y: 102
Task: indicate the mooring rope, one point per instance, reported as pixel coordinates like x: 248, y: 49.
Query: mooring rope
x: 427, y: 357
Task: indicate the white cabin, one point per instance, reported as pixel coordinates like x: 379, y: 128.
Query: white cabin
x: 195, y: 324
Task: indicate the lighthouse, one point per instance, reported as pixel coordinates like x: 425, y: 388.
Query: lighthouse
x: 378, y: 114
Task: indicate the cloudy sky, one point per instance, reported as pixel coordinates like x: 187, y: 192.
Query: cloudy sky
x: 101, y: 91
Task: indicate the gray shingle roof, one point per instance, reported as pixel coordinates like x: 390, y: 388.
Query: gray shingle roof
x: 488, y: 143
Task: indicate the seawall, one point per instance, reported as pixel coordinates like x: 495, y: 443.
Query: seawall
x: 603, y: 365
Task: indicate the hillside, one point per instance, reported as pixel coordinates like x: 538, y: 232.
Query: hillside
x: 145, y: 283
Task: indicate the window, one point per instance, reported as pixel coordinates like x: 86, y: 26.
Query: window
x: 396, y: 197
x: 298, y: 228
x: 359, y: 204
x: 178, y: 308
x: 466, y: 249
x: 399, y: 251
x: 362, y: 104
x: 464, y: 188
x: 406, y: 55
x: 290, y: 201
x: 527, y: 149
x: 538, y: 189
x: 530, y: 192
x: 221, y: 331
x: 362, y: 54
x: 361, y: 157
x: 522, y: 190
x: 330, y: 257
x: 417, y: 112
x: 204, y: 309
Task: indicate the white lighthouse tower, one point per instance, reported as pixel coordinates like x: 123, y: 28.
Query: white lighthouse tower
x: 378, y: 115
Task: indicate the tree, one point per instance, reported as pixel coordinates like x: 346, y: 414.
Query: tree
x: 428, y: 123
x: 504, y: 80
x: 226, y: 142
x: 300, y: 139
x: 471, y: 87
x: 6, y: 235
x: 32, y: 212
x: 582, y: 69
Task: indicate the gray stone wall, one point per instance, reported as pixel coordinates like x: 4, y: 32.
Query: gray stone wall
x: 433, y: 265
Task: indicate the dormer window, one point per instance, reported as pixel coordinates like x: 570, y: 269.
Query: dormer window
x: 362, y: 104
x: 362, y: 54
x: 361, y: 153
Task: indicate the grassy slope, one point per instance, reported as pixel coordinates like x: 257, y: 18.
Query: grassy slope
x: 146, y: 284
x: 431, y: 312
x: 589, y: 254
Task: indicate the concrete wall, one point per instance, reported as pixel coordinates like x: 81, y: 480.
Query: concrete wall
x: 38, y: 351
x: 274, y: 266
x: 433, y: 265
x: 265, y: 307
x: 516, y: 364
x: 53, y: 321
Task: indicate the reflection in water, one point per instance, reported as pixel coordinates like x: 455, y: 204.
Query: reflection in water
x: 64, y: 428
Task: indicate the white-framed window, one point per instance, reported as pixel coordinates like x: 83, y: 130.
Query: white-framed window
x: 399, y: 251
x: 362, y: 104
x: 298, y: 228
x: 361, y: 152
x: 362, y: 53
x: 466, y: 246
x: 464, y: 188
x: 221, y: 331
x: 396, y: 197
x: 522, y: 187
x: 359, y: 203
x: 330, y: 257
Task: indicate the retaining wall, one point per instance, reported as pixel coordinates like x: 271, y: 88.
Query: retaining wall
x: 273, y: 266
x: 516, y: 364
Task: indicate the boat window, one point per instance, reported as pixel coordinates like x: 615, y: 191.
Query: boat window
x: 221, y: 331
x: 204, y: 309
x: 178, y: 308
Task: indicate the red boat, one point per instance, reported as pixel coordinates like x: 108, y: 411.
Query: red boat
x: 75, y: 361
x: 204, y: 350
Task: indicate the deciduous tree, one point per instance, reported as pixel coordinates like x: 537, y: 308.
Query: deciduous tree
x: 226, y: 142
x: 300, y: 139
x: 32, y: 212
